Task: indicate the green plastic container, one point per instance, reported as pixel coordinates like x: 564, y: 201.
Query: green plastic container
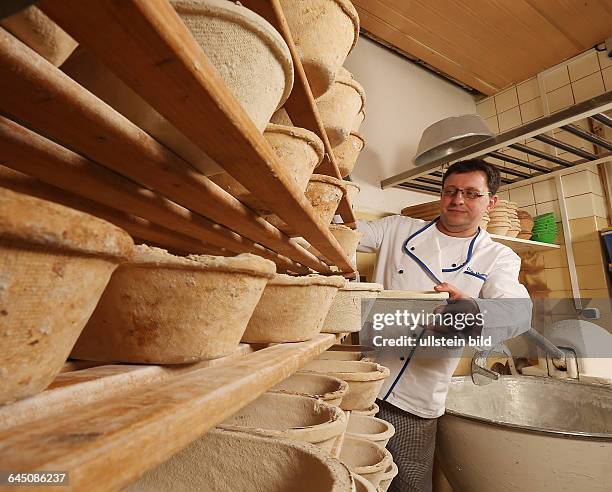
x: 546, y: 237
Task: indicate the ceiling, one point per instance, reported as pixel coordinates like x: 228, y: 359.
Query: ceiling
x: 488, y: 44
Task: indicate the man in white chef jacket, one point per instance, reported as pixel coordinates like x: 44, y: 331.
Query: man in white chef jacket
x: 450, y: 254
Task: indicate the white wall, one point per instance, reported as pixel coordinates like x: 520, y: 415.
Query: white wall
x: 402, y: 100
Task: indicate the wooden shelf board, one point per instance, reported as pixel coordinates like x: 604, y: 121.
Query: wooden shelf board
x: 87, y: 382
x: 110, y: 442
x: 523, y: 245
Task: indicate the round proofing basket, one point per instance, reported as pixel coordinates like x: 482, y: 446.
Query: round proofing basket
x: 500, y: 230
x: 326, y: 388
x: 250, y: 56
x: 291, y: 417
x: 224, y: 460
x: 352, y: 190
x: 299, y: 152
x: 328, y: 355
x: 55, y: 263
x: 345, y: 314
x: 280, y: 117
x: 358, y: 121
x: 362, y: 485
x: 292, y: 309
x: 388, y: 476
x: 365, y: 458
x: 347, y: 237
x: 373, y: 410
x: 163, y: 309
x: 324, y: 32
x: 339, y: 107
x: 364, y: 379
x: 370, y: 428
x: 347, y: 153
x: 324, y: 194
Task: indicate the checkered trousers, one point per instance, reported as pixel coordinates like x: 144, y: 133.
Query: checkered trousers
x: 412, y: 447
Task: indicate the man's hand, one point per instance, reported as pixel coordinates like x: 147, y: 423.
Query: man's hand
x: 453, y: 292
x: 458, y: 303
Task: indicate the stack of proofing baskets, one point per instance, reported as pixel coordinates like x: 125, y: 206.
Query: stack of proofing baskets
x: 91, y: 294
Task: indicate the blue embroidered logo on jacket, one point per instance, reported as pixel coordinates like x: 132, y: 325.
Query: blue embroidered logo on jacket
x: 481, y: 276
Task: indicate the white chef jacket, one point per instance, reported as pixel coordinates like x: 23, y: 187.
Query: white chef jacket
x: 410, y: 258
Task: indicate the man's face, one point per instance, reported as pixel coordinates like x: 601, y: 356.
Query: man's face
x: 458, y: 213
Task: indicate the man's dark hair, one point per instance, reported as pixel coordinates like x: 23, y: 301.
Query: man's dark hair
x: 471, y: 165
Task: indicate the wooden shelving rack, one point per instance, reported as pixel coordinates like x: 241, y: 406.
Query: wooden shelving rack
x: 107, y: 424
x: 83, y: 153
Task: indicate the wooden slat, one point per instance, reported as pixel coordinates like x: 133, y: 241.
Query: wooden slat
x: 36, y: 92
x: 301, y: 106
x: 109, y: 444
x: 85, y: 386
x: 145, y: 43
x: 135, y: 226
x: 138, y: 228
x: 36, y: 156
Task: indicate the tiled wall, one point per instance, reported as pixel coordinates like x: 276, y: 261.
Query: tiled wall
x: 583, y: 77
x: 586, y: 76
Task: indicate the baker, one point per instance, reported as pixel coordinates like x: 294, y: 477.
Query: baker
x: 449, y: 254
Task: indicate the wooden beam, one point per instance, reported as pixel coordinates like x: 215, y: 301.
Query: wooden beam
x: 146, y: 44
x: 110, y: 444
x: 135, y: 226
x: 37, y: 93
x: 27, y: 152
x: 83, y: 384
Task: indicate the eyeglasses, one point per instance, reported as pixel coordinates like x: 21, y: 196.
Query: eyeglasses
x: 469, y: 193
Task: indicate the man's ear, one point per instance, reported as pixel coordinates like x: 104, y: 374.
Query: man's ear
x: 492, y: 203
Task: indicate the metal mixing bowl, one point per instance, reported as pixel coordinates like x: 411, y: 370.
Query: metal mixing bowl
x: 450, y: 135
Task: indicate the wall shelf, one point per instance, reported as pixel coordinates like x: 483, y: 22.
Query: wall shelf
x: 518, y: 172
x: 524, y: 245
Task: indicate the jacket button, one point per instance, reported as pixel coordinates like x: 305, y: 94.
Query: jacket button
x: 412, y: 249
x: 400, y: 271
x: 402, y: 358
x: 454, y: 265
